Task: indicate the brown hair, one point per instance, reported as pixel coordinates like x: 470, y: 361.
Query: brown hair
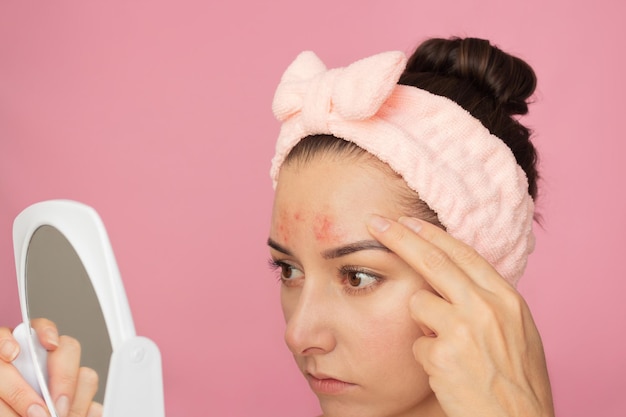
x: 490, y: 84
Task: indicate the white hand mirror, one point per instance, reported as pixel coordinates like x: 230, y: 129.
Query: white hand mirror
x: 67, y: 273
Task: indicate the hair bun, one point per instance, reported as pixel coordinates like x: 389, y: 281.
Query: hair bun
x: 508, y: 79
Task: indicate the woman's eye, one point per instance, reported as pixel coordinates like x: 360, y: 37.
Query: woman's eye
x: 287, y: 271
x: 360, y: 279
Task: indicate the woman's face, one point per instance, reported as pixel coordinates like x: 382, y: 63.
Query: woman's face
x: 344, y: 296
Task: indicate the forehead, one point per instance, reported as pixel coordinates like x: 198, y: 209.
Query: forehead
x: 327, y: 201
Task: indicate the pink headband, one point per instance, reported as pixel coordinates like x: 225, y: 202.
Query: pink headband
x: 469, y: 177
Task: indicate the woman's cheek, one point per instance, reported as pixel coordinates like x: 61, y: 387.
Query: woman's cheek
x: 386, y: 323
x: 288, y: 301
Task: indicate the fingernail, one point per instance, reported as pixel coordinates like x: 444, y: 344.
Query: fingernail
x: 9, y: 350
x: 412, y: 223
x: 51, y: 336
x: 378, y: 223
x: 36, y: 410
x: 62, y: 406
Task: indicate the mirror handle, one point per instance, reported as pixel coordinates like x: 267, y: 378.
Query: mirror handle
x: 135, y: 383
x: 25, y: 363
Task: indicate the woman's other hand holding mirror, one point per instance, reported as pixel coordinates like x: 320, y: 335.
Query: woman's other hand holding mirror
x: 72, y: 387
x: 17, y: 397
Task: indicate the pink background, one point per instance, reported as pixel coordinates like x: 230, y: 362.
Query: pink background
x: 158, y: 114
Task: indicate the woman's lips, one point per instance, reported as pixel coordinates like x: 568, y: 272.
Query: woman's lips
x: 324, y: 385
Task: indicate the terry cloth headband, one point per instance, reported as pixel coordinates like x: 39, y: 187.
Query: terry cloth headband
x: 468, y: 176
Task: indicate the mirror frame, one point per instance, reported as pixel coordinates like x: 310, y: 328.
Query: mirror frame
x: 134, y: 383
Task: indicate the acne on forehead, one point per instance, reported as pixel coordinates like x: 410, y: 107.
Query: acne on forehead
x: 287, y: 221
x: 283, y: 229
x: 324, y: 226
x: 326, y: 229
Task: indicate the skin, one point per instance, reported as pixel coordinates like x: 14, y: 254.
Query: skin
x: 440, y: 333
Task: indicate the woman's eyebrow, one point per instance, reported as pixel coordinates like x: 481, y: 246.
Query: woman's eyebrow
x: 272, y: 244
x: 354, y: 247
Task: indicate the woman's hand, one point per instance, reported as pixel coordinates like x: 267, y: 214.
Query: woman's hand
x: 71, y: 387
x: 481, y: 349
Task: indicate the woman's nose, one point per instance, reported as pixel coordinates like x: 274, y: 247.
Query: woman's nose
x: 310, y: 321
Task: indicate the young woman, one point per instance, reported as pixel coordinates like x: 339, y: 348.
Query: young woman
x: 402, y: 221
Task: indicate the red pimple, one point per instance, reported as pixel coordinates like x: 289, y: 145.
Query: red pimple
x: 283, y: 234
x: 324, y: 229
x: 283, y: 230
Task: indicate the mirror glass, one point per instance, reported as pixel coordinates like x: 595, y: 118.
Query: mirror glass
x: 59, y: 289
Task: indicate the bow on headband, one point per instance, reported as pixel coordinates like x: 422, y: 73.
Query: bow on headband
x: 355, y: 92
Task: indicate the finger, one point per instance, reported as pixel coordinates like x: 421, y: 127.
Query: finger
x: 7, y: 411
x: 16, y: 394
x: 85, y: 391
x: 426, y: 258
x: 63, y: 365
x: 95, y: 410
x: 9, y: 348
x: 430, y: 312
x: 463, y: 255
x: 47, y: 333
x: 422, y: 349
